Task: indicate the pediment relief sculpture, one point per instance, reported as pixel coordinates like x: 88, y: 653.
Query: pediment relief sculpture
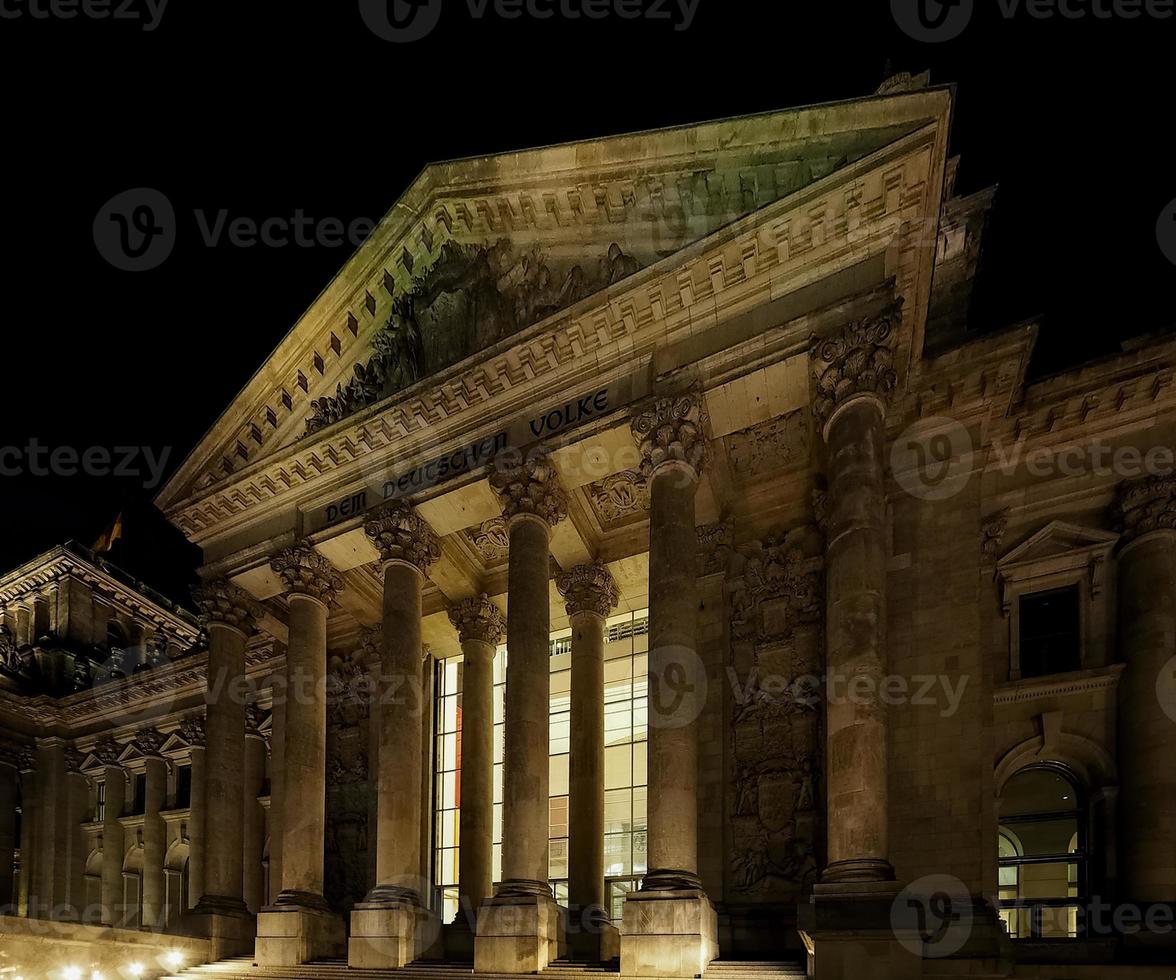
x: 776, y: 586
x: 471, y: 297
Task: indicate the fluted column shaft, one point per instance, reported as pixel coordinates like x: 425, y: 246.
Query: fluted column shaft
x: 480, y: 628
x: 1147, y: 695
x: 856, y: 730
x: 113, y: 844
x: 224, y: 772
x: 528, y: 706
x: 305, y: 789
x: 154, y: 842
x: 673, y: 662
x: 277, y: 795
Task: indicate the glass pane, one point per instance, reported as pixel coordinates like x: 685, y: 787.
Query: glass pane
x: 618, y: 811
x: 561, y: 728
x: 559, y: 775
x: 618, y: 766
x: 618, y: 851
x: 557, y: 861
x: 1050, y: 880
x: 1037, y: 791
x: 558, y: 818
x: 1041, y: 838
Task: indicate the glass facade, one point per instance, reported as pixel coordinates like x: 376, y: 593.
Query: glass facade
x: 624, y: 763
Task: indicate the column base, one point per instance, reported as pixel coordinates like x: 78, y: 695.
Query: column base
x: 601, y: 944
x: 290, y: 935
x: 671, y: 933
x: 519, y: 933
x: 848, y: 930
x: 229, y: 934
x: 390, y: 935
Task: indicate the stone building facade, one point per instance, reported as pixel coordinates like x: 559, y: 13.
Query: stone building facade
x: 633, y: 554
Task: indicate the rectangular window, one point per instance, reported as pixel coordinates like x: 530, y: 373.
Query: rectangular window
x: 100, y: 803
x: 140, y: 794
x: 183, y: 787
x: 1050, y: 632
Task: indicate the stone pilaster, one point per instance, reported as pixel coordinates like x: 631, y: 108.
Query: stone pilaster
x: 480, y: 627
x: 229, y: 614
x: 670, y: 927
x: 1146, y: 516
x: 384, y: 928
x: 77, y: 803
x: 27, y: 767
x: 253, y: 818
x: 519, y: 930
x: 49, y: 893
x: 114, y: 778
x: 9, y: 791
x: 148, y: 742
x: 591, y: 595
x: 299, y: 926
x: 192, y: 732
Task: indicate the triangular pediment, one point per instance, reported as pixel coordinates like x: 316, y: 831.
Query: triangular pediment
x: 478, y: 250
x: 1058, y: 539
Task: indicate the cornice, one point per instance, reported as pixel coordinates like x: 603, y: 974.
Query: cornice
x: 1079, y: 682
x: 859, y: 209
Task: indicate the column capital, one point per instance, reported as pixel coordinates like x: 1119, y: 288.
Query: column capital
x: 305, y: 572
x: 192, y: 731
x: 588, y: 588
x: 670, y: 431
x: 19, y: 757
x: 478, y: 619
x: 223, y: 604
x: 530, y: 487
x: 859, y: 360
x: 1143, y: 506
x: 107, y: 752
x: 74, y: 760
x: 400, y: 534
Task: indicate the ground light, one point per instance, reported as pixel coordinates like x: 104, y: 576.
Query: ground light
x: 72, y: 973
x: 174, y: 959
x: 135, y: 969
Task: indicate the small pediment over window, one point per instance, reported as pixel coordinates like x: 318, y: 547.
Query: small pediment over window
x: 1058, y: 550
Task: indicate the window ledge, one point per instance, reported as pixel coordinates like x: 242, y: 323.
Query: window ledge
x: 1056, y: 685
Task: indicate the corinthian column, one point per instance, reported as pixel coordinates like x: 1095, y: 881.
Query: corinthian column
x: 520, y: 928
x: 480, y: 627
x: 228, y: 614
x: 854, y: 378
x: 149, y: 742
x: 1146, y: 512
x: 591, y: 594
x: 384, y: 931
x: 299, y: 926
x: 115, y: 779
x: 670, y: 927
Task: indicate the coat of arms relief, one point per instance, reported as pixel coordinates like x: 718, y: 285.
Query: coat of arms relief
x: 775, y: 606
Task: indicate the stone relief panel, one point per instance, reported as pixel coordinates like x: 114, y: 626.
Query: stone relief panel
x: 769, y: 447
x: 472, y: 296
x: 620, y: 499
x: 775, y: 612
x: 491, y: 541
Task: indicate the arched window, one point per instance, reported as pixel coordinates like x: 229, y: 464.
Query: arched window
x: 1042, y: 850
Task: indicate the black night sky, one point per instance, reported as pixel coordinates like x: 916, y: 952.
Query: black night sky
x: 262, y: 108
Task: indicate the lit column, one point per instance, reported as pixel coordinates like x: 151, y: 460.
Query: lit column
x: 519, y: 930
x: 1146, y: 514
x: 854, y: 377
x: 277, y: 785
x: 670, y: 927
x: 299, y: 926
x: 480, y: 627
x: 148, y: 743
x: 384, y: 927
x: 27, y: 767
x: 253, y: 817
x: 114, y: 779
x: 192, y: 732
x: 77, y: 804
x: 229, y: 614
x: 591, y: 595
